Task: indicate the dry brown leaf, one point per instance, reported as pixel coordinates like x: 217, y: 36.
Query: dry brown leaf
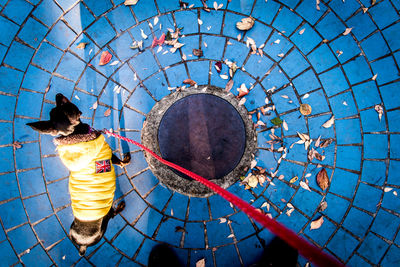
x: 189, y: 81
x: 323, y: 179
x: 107, y: 112
x: 228, y: 85
x: 329, y: 122
x: 347, y: 31
x: 305, y: 109
x: 245, y: 24
x: 322, y: 206
x: 317, y: 223
x: 180, y: 229
x: 373, y: 2
x: 201, y: 263
x: 82, y: 45
x: 130, y: 2
x: 197, y: 52
x: 105, y: 58
x: 326, y: 143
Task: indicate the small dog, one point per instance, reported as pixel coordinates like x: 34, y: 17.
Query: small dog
x: 87, y: 155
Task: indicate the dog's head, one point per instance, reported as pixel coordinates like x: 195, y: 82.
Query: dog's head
x: 85, y: 234
x: 63, y: 118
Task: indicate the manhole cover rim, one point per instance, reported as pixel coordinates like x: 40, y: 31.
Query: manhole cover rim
x: 149, y: 138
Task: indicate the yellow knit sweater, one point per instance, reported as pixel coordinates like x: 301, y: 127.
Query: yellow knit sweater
x: 92, y: 178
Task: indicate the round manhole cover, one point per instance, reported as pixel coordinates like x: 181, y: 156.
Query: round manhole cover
x: 203, y: 130
x: 204, y: 134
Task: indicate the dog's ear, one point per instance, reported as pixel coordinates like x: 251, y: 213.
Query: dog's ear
x: 82, y: 251
x: 61, y: 100
x: 43, y: 127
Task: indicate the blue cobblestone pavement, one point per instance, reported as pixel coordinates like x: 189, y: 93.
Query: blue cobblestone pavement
x: 340, y: 57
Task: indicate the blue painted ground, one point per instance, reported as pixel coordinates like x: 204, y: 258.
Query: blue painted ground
x: 313, y: 63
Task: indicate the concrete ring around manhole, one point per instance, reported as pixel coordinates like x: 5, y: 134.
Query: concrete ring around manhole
x: 204, y: 130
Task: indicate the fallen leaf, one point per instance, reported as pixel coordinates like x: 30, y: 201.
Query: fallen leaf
x: 306, y: 96
x: 172, y: 212
x: 77, y: 97
x: 130, y: 2
x: 222, y: 220
x: 302, y: 31
x: 281, y: 55
x: 144, y: 36
x: 305, y: 109
x: 218, y: 66
x: 322, y: 206
x: 317, y: 2
x: 197, y: 52
x: 107, y: 112
x: 318, y: 142
x: 265, y: 205
x: 379, y: 109
x: 189, y: 81
x: 114, y: 63
x: 253, y: 181
x: 374, y: 77
x: 242, y: 101
x: 387, y: 189
x: 307, y: 175
x: 323, y: 179
x: 347, y: 31
x: 365, y: 9
x: 224, y: 76
x: 317, y: 223
x: 94, y: 106
x: 305, y: 186
x: 16, y: 145
x: 245, y: 24
x: 294, y: 179
x: 82, y: 45
x: 276, y: 121
x: 155, y: 21
x: 329, y: 122
x: 228, y: 85
x: 105, y: 58
x: 201, y: 263
x: 326, y: 143
x: 373, y: 2
x: 253, y: 164
x: 277, y: 41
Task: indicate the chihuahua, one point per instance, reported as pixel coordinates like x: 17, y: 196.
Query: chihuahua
x: 89, y: 158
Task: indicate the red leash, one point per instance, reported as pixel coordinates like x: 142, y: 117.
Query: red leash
x: 305, y: 248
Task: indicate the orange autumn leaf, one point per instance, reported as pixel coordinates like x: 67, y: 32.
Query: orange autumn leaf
x: 105, y: 58
x: 107, y: 112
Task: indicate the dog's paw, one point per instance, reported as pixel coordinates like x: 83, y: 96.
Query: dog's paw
x: 126, y: 160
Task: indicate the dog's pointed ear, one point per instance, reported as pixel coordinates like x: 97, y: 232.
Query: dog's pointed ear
x: 82, y: 251
x: 43, y: 127
x: 61, y: 100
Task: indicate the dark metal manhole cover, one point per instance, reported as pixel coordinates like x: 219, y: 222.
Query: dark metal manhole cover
x: 204, y: 130
x: 204, y: 134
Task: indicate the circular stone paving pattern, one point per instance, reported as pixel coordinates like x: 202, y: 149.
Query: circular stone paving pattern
x: 341, y: 58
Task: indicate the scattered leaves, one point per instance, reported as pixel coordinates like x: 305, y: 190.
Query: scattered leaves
x: 379, y: 109
x: 201, y: 263
x: 218, y: 66
x: 317, y: 223
x: 329, y: 122
x: 276, y: 121
x: 197, y: 52
x: 107, y: 112
x: 189, y: 81
x: 322, y: 206
x: 82, y: 45
x: 323, y: 179
x: 130, y: 2
x: 228, y: 85
x: 245, y: 24
x: 105, y: 58
x: 305, y: 186
x: 347, y: 31
x: 305, y: 109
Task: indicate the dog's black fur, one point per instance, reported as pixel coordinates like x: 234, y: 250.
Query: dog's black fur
x: 65, y: 122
